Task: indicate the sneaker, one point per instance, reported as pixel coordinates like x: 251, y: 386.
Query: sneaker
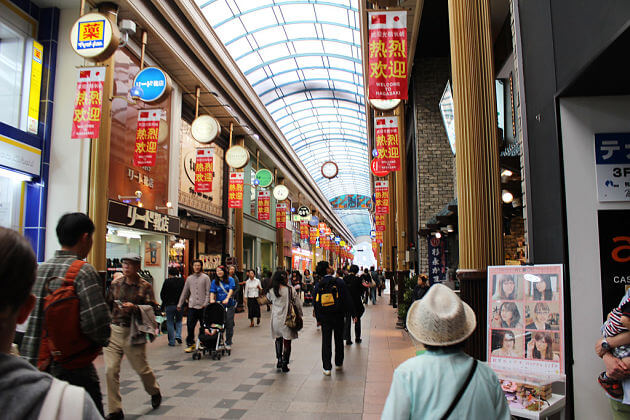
x: 613, y: 388
x: 190, y: 349
x: 326, y: 372
x: 339, y: 367
x: 179, y: 340
x: 358, y: 341
x: 156, y: 400
x: 228, y: 347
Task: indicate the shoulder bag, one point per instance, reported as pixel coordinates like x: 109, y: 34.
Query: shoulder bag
x: 294, y: 320
x: 461, y: 390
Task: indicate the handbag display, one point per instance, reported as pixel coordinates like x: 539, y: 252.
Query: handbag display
x: 294, y: 320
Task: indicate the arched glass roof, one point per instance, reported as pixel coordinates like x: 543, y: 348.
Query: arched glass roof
x: 303, y: 58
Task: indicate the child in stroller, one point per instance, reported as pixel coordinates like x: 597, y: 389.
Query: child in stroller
x: 210, y: 339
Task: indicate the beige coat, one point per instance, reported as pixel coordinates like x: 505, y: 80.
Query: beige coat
x: 279, y: 313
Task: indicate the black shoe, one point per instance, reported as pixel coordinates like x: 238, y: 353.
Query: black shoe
x: 348, y: 342
x: 118, y: 415
x: 279, y: 364
x: 179, y: 340
x: 156, y: 400
x: 358, y: 341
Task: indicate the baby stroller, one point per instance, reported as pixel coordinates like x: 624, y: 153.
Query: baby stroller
x: 213, y: 321
x: 308, y: 294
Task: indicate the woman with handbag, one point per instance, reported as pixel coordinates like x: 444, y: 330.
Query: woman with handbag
x: 252, y: 291
x: 285, y: 305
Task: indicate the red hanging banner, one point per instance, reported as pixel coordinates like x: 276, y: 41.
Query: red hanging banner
x: 86, y: 121
x: 281, y: 215
x: 147, y: 131
x: 235, y: 190
x: 313, y: 235
x: 381, y: 189
x: 303, y: 230
x: 387, y: 32
x: 379, y: 237
x: 264, y: 201
x: 203, y: 170
x: 387, y: 143
x: 380, y: 222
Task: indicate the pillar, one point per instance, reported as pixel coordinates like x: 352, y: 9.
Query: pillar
x: 238, y: 227
x: 477, y: 157
x: 401, y: 209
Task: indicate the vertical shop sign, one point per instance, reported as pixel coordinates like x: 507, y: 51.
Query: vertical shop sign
x: 235, y: 190
x: 437, y: 259
x: 264, y: 200
x: 387, y: 142
x: 203, y: 169
x: 614, y: 256
x: 388, y: 55
x: 145, y: 152
x: 313, y: 235
x: 35, y: 87
x: 379, y: 237
x: 86, y: 120
x: 303, y: 229
x: 612, y: 161
x: 382, y: 197
x: 281, y: 215
x: 380, y: 222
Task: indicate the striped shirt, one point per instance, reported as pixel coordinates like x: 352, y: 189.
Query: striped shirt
x: 613, y: 325
x: 94, y: 315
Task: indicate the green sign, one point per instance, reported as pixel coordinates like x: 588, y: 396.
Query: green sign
x: 264, y: 177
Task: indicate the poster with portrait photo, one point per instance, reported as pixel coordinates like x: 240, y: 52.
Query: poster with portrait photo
x: 527, y: 302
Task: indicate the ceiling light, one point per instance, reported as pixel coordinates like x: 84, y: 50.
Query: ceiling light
x: 438, y: 235
x: 507, y: 172
x: 506, y: 196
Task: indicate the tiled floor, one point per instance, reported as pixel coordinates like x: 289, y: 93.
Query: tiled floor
x: 246, y: 384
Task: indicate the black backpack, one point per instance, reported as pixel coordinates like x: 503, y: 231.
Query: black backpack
x: 327, y: 297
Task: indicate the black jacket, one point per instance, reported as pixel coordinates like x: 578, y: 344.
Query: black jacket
x: 345, y: 306
x: 171, y: 291
x: 357, y: 290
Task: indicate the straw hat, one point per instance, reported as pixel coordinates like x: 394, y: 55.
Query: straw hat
x: 440, y: 318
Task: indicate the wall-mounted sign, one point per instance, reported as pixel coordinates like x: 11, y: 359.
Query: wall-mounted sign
x: 314, y: 221
x: 18, y: 155
x: 152, y: 84
x: 141, y: 218
x: 384, y: 104
x: 329, y: 169
x: 94, y: 37
x: 147, y: 131
x: 387, y: 144
x: 205, y: 129
x: 280, y: 192
x: 376, y: 168
x: 303, y: 211
x: 612, y: 159
x: 614, y: 256
x: 235, y: 190
x: 35, y: 88
x: 387, y: 74
x: 264, y: 177
x: 203, y: 169
x: 237, y: 157
x: 382, y: 197
x: 437, y: 259
x: 264, y: 200
x: 86, y: 120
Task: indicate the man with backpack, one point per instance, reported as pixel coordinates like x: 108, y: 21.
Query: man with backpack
x: 78, y: 313
x: 332, y: 303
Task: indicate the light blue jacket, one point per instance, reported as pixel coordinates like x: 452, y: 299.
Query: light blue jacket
x: 424, y: 386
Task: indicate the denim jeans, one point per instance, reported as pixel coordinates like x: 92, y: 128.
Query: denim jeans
x: 173, y: 324
x: 373, y: 295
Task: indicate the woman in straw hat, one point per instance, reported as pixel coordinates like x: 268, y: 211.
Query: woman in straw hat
x: 444, y: 382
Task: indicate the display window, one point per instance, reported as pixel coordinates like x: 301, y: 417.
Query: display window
x: 11, y: 187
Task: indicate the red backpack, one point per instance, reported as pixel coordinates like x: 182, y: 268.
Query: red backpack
x: 62, y: 339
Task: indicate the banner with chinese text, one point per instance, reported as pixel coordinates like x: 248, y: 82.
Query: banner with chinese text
x: 86, y: 121
x: 379, y: 219
x: 145, y: 152
x: 437, y: 259
x: 303, y: 230
x: 235, y: 190
x: 381, y: 189
x: 264, y: 201
x: 313, y: 235
x: 379, y: 237
x: 281, y: 215
x: 387, y: 32
x: 387, y: 143
x: 203, y: 169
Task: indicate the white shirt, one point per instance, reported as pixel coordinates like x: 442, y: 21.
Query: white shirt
x: 251, y: 288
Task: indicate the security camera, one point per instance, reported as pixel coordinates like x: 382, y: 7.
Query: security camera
x: 127, y: 27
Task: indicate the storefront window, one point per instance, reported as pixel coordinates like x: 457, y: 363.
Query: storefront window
x: 10, y: 200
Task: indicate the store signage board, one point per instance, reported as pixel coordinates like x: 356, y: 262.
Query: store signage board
x: 264, y: 177
x: 280, y: 192
x: 141, y: 218
x: 387, y: 64
x: 235, y: 190
x: 614, y: 256
x: 20, y: 156
x: 377, y: 169
x: 381, y: 189
x: 264, y: 202
x: 94, y: 37
x: 281, y: 216
x: 88, y: 102
x: 304, y: 211
x: 387, y: 142
x: 237, y: 157
x: 204, y: 169
x: 147, y: 133
x: 385, y: 104
x: 298, y: 218
x: 152, y: 83
x: 436, y: 248
x: 314, y: 221
x: 35, y: 87
x: 531, y: 340
x: 612, y: 161
x: 205, y: 129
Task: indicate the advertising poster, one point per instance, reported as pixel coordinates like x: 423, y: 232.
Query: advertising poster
x: 381, y: 189
x: 35, y: 87
x: 264, y: 201
x: 203, y: 169
x: 303, y: 230
x: 437, y: 259
x: 612, y: 161
x: 153, y: 254
x: 235, y: 190
x: 313, y: 235
x: 86, y: 120
x: 387, y: 143
x: 387, y: 72
x: 379, y: 220
x: 281, y: 216
x: 526, y: 319
x: 147, y: 131
x: 614, y: 256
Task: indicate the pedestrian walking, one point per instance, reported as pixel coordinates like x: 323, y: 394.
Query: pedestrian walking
x: 171, y: 291
x: 197, y: 291
x: 127, y: 297
x: 356, y: 289
x: 238, y: 292
x: 296, y: 282
x: 280, y: 296
x: 222, y: 289
x: 332, y: 303
x: 266, y: 286
x: 252, y: 291
x: 444, y: 381
x: 74, y: 232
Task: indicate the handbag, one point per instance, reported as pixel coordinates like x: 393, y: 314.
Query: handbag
x: 461, y: 391
x: 294, y: 320
x: 263, y: 300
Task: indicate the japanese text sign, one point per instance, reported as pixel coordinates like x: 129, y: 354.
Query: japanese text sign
x: 281, y: 215
x: 381, y: 189
x: 387, y: 142
x: 612, y: 159
x: 379, y: 220
x: 203, y: 169
x: 86, y: 121
x: 437, y: 259
x: 141, y: 218
x: 145, y: 152
x: 387, y: 55
x: 235, y: 190
x: 313, y: 235
x: 264, y: 200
